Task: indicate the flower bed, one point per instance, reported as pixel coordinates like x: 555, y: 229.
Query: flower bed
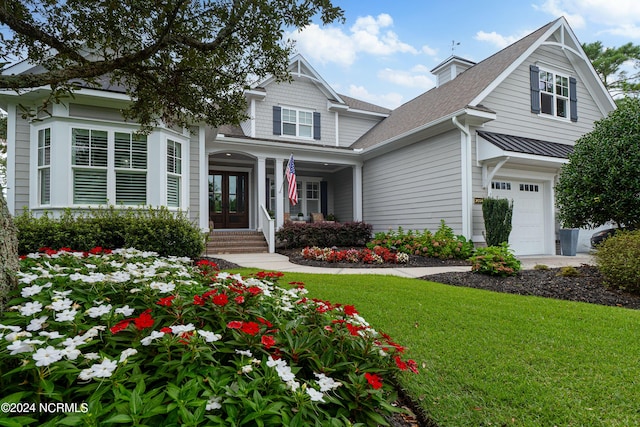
x: 376, y: 255
x: 129, y: 337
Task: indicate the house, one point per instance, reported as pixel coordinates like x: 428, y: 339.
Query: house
x: 502, y: 127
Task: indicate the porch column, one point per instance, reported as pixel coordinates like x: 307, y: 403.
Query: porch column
x: 357, y: 193
x: 278, y: 171
x: 204, y: 181
x: 262, y: 191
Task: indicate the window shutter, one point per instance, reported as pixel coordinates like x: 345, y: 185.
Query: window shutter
x: 534, y: 75
x: 324, y: 202
x: 277, y: 120
x: 573, y: 99
x: 316, y: 125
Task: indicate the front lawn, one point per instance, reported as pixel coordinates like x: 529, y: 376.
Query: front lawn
x: 497, y: 359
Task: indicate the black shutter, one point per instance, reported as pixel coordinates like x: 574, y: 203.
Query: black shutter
x: 277, y: 120
x: 573, y: 99
x: 316, y: 125
x: 324, y: 202
x: 534, y: 76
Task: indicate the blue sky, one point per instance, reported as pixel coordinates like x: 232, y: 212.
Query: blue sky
x: 384, y: 51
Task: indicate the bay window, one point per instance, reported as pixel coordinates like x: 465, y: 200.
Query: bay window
x: 174, y: 173
x: 89, y: 150
x: 131, y: 168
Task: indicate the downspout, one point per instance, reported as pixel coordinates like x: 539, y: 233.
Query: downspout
x: 465, y: 150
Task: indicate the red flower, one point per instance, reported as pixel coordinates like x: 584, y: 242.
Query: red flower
x: 265, y: 322
x: 185, y: 337
x: 268, y: 341
x: 198, y: 300
x: 221, y: 300
x: 413, y: 366
x: 355, y: 329
x: 166, y: 301
x: 144, y: 320
x: 254, y: 290
x: 234, y: 324
x: 239, y: 299
x: 350, y: 310
x: 96, y: 251
x: 209, y: 293
x: 166, y: 330
x: 400, y: 364
x: 121, y: 325
x: 374, y: 380
x: 251, y: 328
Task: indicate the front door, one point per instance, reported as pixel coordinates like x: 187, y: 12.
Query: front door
x: 228, y: 196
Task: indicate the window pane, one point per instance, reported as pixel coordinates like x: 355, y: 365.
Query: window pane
x: 44, y: 147
x: 306, y: 118
x: 289, y: 129
x: 546, y: 103
x: 305, y: 131
x: 131, y: 188
x: 45, y: 186
x: 98, y: 148
x: 80, y: 147
x: 173, y: 191
x: 561, y: 107
x: 89, y: 186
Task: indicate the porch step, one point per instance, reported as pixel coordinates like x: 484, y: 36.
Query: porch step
x: 236, y: 242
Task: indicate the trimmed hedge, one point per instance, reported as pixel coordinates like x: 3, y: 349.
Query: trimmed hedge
x: 618, y: 259
x: 157, y: 230
x: 324, y: 234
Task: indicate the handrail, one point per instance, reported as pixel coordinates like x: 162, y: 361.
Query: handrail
x: 268, y: 229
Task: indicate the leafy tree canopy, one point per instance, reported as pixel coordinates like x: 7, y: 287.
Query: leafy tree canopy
x: 608, y: 63
x: 600, y: 183
x: 181, y: 61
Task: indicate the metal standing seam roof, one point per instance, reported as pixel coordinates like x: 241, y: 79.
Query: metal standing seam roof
x: 519, y: 144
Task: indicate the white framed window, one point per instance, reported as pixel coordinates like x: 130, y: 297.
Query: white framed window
x: 174, y: 172
x: 89, y: 159
x: 44, y: 166
x: 313, y: 196
x: 297, y: 123
x: 308, y: 196
x: 554, y: 94
x: 130, y: 168
x: 500, y: 185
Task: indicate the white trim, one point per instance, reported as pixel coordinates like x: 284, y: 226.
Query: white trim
x: 204, y: 180
x: 11, y: 158
x: 357, y: 193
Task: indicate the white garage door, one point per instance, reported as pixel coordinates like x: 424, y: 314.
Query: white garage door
x: 527, y: 234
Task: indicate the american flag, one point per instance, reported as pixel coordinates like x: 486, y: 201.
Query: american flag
x: 291, y: 178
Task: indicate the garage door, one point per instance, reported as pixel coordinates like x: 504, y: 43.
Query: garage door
x: 527, y: 235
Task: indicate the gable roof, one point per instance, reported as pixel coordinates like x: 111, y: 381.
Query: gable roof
x: 449, y: 98
x: 518, y: 144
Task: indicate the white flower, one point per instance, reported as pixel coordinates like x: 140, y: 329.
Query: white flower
x: 61, y: 294
x: 126, y: 353
x: 181, y: 329
x: 125, y: 310
x: 46, y: 356
x: 51, y: 335
x: 213, y: 403
x: 27, y: 278
x: 31, y: 308
x: 18, y: 346
x: 36, y: 324
x: 91, y: 356
x: 326, y: 383
x: 85, y: 374
x: 134, y: 290
x: 153, y: 336
x: 284, y: 371
x: 11, y: 328
x: 246, y: 369
x: 315, y: 395
x: 16, y: 335
x: 209, y: 336
x: 30, y: 291
x: 66, y: 316
x: 293, y: 385
x: 104, y: 369
x: 162, y: 287
x: 71, y: 353
x: 245, y: 353
x: 98, y: 311
x: 61, y: 304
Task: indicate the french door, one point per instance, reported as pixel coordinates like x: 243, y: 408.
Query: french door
x: 228, y: 196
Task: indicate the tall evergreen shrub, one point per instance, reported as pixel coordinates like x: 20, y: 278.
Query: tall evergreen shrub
x: 497, y: 214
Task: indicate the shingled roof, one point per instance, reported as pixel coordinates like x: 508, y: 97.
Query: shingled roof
x: 452, y: 96
x: 518, y: 144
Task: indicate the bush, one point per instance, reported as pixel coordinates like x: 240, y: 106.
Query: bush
x: 157, y: 230
x: 497, y: 214
x: 495, y: 261
x: 377, y: 255
x: 444, y: 244
x: 618, y: 259
x: 134, y: 339
x: 324, y: 234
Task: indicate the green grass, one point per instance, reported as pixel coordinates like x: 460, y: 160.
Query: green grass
x: 492, y: 359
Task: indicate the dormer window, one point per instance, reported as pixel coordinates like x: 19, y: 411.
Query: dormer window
x: 553, y: 94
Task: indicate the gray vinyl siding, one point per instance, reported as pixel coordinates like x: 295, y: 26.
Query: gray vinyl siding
x: 416, y: 186
x: 511, y: 102
x: 297, y: 94
x: 95, y: 112
x: 341, y: 188
x: 194, y: 176
x: 22, y: 164
x: 352, y: 128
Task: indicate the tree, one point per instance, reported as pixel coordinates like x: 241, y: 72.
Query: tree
x: 181, y: 61
x: 600, y: 183
x: 608, y: 63
x: 497, y: 214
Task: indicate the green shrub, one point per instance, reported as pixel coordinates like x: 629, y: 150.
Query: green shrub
x: 157, y: 230
x: 495, y: 261
x: 618, y: 259
x: 444, y: 244
x: 568, y: 272
x: 541, y: 267
x: 324, y: 234
x: 497, y: 214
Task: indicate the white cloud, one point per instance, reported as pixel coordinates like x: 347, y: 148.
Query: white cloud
x: 429, y: 51
x: 332, y: 45
x: 388, y: 100
x: 415, y: 78
x: 499, y: 40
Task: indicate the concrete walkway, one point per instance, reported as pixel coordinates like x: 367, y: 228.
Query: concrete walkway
x: 278, y: 262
